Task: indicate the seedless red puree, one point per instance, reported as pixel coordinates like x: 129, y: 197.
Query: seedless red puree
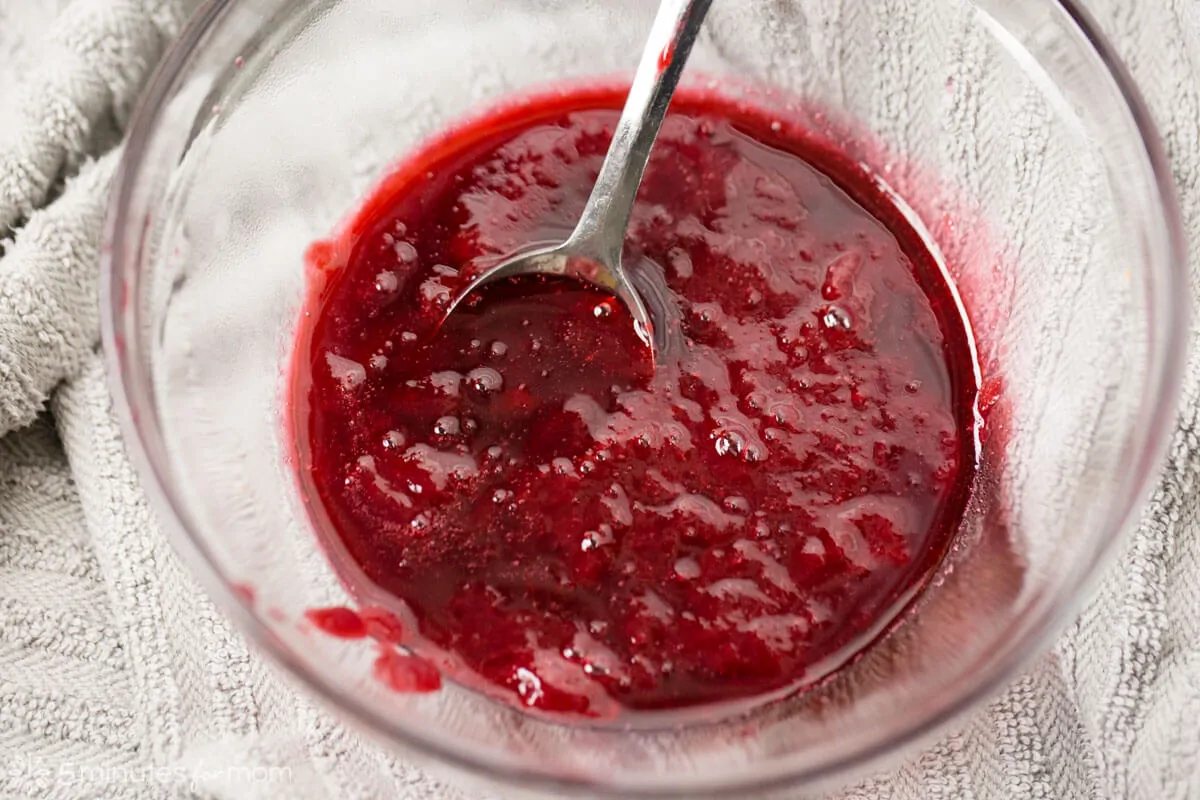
x: 584, y: 532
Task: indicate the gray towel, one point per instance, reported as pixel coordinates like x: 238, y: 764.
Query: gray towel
x: 99, y: 697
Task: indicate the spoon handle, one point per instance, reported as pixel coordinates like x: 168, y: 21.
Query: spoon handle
x: 601, y: 229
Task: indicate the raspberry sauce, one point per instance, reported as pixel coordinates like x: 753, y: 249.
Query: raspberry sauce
x: 577, y: 529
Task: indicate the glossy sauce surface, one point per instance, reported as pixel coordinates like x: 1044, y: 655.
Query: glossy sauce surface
x: 587, y: 533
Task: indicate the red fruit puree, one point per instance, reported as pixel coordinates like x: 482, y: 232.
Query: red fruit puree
x: 581, y: 531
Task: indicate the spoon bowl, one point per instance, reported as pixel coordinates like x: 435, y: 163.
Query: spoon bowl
x: 568, y: 260
x: 592, y: 253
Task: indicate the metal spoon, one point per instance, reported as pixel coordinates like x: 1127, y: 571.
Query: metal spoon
x: 592, y: 253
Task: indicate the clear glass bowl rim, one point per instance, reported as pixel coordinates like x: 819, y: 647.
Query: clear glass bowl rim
x: 129, y: 384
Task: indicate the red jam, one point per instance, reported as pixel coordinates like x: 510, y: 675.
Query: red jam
x: 577, y: 529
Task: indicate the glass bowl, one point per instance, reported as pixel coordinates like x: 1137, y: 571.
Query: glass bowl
x: 1007, y: 127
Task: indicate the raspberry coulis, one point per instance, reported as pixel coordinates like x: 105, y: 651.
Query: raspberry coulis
x: 577, y: 529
